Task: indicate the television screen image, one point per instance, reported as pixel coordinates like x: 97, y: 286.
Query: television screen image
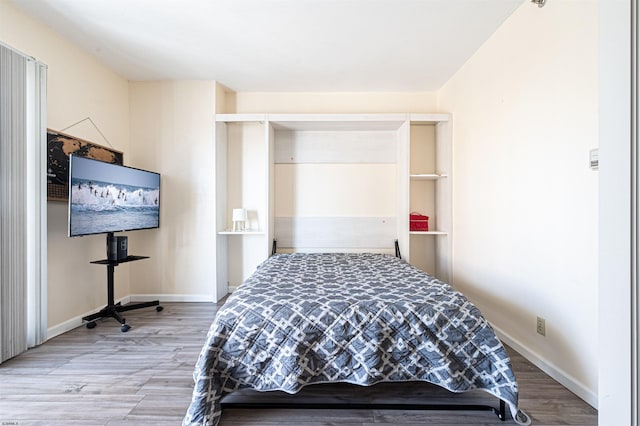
x: 106, y: 197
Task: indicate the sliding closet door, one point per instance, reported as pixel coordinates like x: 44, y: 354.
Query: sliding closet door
x: 635, y: 211
x: 22, y: 203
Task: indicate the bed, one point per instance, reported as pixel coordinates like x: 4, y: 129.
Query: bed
x: 304, y: 319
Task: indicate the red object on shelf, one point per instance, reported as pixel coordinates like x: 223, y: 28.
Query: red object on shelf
x: 418, y: 222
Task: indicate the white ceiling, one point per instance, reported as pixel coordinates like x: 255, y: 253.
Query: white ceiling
x: 280, y: 45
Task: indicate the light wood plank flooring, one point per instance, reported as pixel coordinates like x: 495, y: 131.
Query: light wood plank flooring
x: 144, y: 377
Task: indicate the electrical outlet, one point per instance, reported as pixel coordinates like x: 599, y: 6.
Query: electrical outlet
x: 540, y: 326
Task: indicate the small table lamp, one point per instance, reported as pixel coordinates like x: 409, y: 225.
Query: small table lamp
x: 239, y: 218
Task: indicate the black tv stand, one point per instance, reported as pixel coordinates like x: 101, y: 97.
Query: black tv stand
x: 113, y: 309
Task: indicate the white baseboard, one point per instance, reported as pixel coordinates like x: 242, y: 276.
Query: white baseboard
x: 75, y: 322
x: 553, y: 371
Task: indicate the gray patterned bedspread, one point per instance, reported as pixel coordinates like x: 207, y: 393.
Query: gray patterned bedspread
x: 355, y: 318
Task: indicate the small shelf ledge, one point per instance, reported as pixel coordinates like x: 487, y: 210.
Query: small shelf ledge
x: 240, y: 233
x: 427, y: 176
x: 428, y: 233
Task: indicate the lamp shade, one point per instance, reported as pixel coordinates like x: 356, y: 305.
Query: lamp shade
x: 239, y: 215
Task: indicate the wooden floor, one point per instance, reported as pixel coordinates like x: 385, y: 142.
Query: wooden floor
x: 144, y: 377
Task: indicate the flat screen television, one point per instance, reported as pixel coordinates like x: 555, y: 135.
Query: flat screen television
x: 108, y: 198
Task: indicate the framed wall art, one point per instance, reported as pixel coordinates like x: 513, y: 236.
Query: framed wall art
x: 59, y: 147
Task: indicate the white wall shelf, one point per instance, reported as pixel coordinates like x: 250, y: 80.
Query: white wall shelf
x: 427, y: 176
x: 428, y: 233
x: 240, y: 233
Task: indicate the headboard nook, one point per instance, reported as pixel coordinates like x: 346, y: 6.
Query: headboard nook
x: 331, y: 182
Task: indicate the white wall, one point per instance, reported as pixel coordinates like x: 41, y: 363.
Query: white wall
x: 77, y: 87
x: 172, y: 133
x: 525, y: 114
x: 310, y: 102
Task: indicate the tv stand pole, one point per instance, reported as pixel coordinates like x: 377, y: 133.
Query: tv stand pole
x: 113, y: 309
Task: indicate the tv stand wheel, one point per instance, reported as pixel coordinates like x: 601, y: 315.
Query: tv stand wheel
x: 91, y: 324
x: 125, y: 327
x: 159, y: 308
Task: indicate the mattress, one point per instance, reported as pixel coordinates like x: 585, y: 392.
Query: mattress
x: 303, y: 319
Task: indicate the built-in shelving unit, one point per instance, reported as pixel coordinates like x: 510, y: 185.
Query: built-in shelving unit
x: 392, y: 164
x: 430, y: 193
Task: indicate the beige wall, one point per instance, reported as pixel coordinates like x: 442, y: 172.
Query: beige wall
x: 77, y: 87
x: 171, y: 124
x: 260, y: 102
x: 172, y: 133
x: 525, y: 110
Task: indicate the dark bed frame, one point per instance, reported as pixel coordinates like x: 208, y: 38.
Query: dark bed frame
x: 500, y: 412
